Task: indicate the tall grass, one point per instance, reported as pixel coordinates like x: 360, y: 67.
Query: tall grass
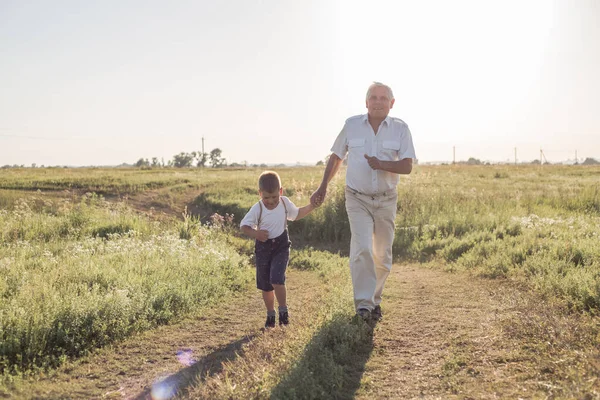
x: 78, y: 276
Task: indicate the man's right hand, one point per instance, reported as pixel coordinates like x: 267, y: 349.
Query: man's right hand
x: 262, y: 235
x: 318, y: 197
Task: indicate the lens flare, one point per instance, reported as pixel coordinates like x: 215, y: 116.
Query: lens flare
x: 186, y: 357
x: 164, y: 389
x: 166, y: 386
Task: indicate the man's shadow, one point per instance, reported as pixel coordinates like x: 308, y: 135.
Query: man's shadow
x: 333, y: 362
x: 209, y: 365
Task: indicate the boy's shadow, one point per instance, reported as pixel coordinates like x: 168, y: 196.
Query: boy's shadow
x: 209, y: 365
x: 333, y: 362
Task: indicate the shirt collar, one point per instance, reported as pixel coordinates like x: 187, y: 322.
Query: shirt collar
x: 387, y: 119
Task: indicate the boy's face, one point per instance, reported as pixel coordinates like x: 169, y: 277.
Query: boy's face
x: 271, y: 199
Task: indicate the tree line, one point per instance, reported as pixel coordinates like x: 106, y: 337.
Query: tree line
x: 187, y: 160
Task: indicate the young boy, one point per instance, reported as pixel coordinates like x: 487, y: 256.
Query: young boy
x: 266, y: 222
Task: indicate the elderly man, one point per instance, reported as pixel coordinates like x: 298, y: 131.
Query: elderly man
x: 379, y: 148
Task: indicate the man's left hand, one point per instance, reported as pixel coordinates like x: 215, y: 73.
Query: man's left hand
x: 374, y: 162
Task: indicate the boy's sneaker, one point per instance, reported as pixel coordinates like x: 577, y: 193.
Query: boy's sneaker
x: 270, y: 322
x: 364, y: 314
x: 284, y: 318
x: 376, y: 313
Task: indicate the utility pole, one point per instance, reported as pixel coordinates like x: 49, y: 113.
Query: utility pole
x: 515, y: 156
x: 542, y: 158
x: 576, y: 160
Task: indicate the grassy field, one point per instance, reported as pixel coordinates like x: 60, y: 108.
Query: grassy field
x: 78, y: 276
x: 536, y: 224
x: 79, y: 271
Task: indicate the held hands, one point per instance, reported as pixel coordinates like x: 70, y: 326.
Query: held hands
x: 374, y: 162
x: 261, y: 235
x: 318, y: 197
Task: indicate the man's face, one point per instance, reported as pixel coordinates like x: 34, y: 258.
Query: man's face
x: 271, y: 199
x: 379, y: 103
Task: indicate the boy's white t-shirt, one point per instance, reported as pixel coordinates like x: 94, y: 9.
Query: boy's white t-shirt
x: 273, y: 220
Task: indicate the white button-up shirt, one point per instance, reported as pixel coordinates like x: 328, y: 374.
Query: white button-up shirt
x: 392, y: 142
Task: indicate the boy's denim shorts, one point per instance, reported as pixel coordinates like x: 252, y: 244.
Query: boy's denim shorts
x: 272, y: 258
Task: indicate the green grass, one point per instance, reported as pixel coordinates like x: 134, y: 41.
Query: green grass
x: 116, y: 181
x: 76, y: 277
x: 80, y: 272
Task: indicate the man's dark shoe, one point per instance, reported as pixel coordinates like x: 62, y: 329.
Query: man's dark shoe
x: 364, y: 314
x: 284, y: 318
x: 376, y: 313
x: 270, y: 323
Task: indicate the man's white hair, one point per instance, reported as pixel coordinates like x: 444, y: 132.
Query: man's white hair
x: 379, y: 84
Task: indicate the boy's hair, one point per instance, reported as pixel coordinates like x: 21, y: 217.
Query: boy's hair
x: 269, y: 182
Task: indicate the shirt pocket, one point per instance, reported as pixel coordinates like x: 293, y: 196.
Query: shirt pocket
x: 390, y: 150
x: 356, y: 143
x: 356, y: 148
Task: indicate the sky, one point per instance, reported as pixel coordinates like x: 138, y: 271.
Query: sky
x: 272, y: 81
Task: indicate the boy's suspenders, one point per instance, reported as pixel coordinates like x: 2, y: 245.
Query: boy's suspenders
x: 260, y: 213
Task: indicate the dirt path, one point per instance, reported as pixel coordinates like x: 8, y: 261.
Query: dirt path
x: 191, y: 350
x: 450, y: 335
x: 444, y: 335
